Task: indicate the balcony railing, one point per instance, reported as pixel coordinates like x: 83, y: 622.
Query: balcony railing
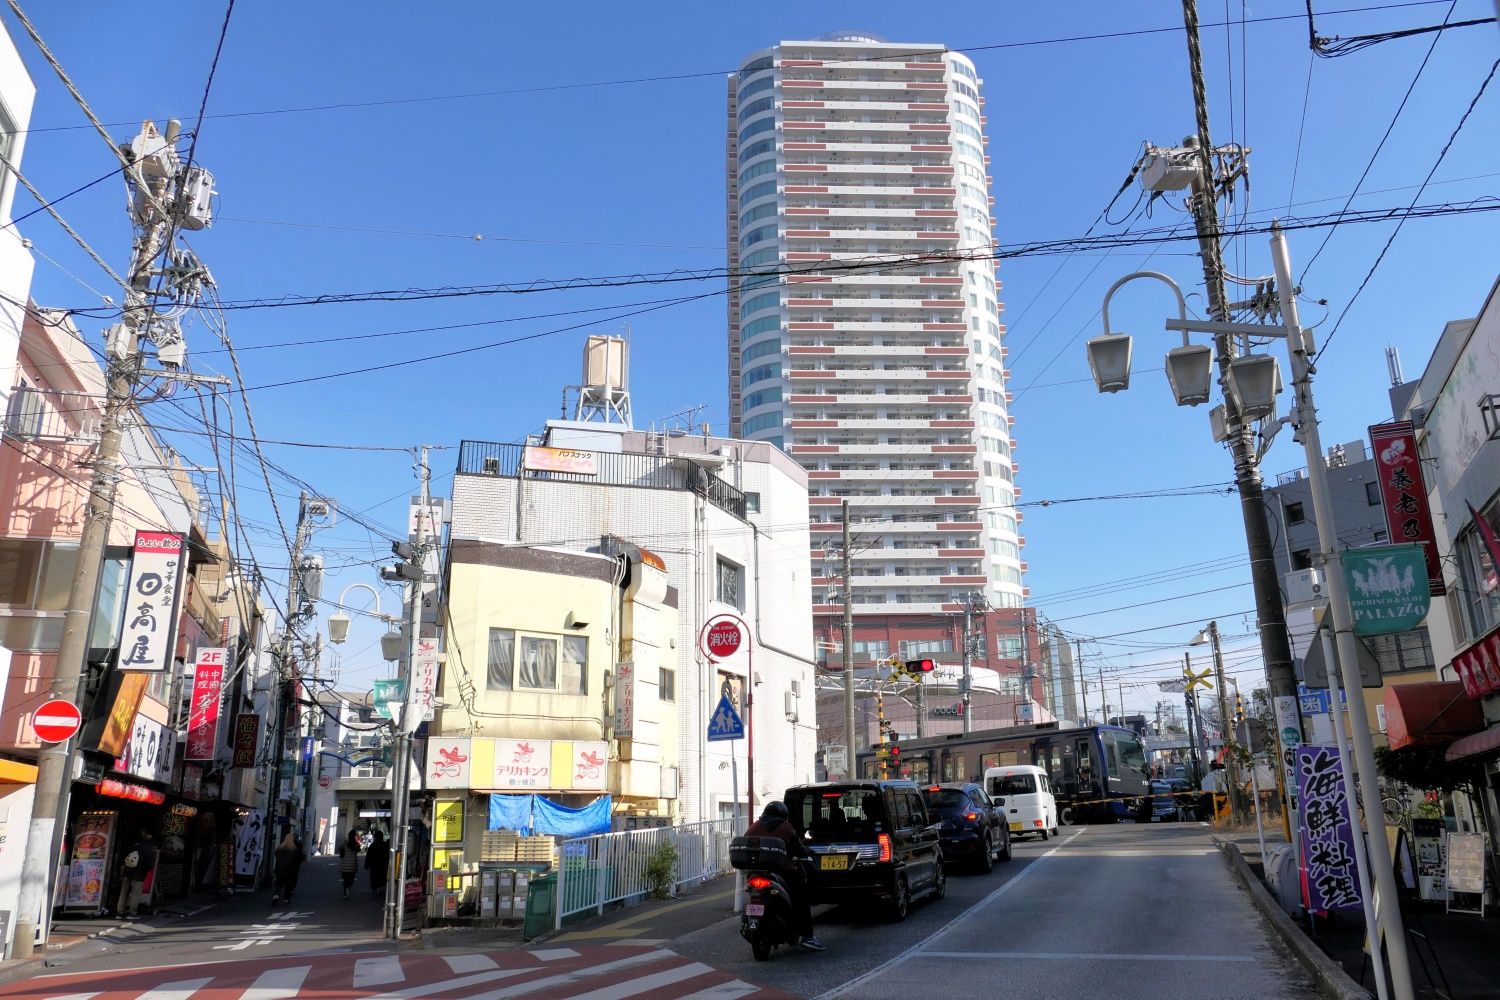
x: 653, y: 472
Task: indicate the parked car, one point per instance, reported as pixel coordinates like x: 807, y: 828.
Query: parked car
x: 873, y: 840
x: 1166, y: 806
x: 1024, y: 793
x: 971, y: 828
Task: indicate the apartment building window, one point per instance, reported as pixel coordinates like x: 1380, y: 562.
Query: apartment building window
x: 666, y: 684
x: 752, y: 503
x: 1302, y: 559
x: 730, y: 579
x: 1478, y: 591
x: 531, y: 663
x: 1372, y: 493
x: 912, y: 648
x: 1295, y: 513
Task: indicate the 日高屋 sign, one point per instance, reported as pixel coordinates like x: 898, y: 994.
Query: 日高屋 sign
x: 1388, y: 589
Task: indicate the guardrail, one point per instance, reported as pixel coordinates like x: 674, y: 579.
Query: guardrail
x: 615, y: 867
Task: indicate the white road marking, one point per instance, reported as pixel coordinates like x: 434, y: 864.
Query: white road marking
x: 378, y: 971
x: 890, y: 963
x: 277, y: 984
x: 176, y: 991
x: 75, y: 996
x: 638, y: 987
x: 423, y: 989
x: 553, y: 954
x: 470, y: 963
x: 1082, y: 956
x: 1132, y: 852
x: 725, y: 991
x: 564, y: 979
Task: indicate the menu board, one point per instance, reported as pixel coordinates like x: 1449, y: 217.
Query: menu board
x: 1466, y: 863
x: 448, y: 821
x: 93, y: 833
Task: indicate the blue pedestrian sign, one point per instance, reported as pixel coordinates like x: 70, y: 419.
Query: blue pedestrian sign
x: 725, y: 724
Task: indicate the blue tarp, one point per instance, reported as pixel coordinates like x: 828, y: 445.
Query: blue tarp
x: 528, y: 814
x: 565, y: 822
x: 511, y: 812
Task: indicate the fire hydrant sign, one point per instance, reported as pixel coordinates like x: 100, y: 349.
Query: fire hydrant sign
x: 723, y: 639
x: 56, y: 721
x: 203, y: 717
x: 151, y: 602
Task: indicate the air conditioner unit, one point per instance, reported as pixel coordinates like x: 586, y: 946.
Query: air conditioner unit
x: 1305, y: 586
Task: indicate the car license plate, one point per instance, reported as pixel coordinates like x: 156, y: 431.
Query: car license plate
x: 834, y: 862
x: 1015, y: 828
x: 755, y: 909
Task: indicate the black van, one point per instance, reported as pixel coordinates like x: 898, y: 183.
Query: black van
x: 871, y: 839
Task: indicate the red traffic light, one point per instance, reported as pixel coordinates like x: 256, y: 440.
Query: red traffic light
x: 919, y: 667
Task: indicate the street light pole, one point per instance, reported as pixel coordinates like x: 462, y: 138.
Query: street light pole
x: 849, y: 737
x: 1301, y: 348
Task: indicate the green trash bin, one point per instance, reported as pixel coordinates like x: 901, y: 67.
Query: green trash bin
x: 541, y: 906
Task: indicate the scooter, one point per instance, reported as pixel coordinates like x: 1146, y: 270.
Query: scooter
x: 767, y: 921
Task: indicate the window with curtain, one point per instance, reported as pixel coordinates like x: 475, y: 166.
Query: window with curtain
x: 575, y: 665
x: 502, y: 662
x: 538, y: 667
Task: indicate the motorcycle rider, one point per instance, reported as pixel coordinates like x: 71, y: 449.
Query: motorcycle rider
x: 775, y: 822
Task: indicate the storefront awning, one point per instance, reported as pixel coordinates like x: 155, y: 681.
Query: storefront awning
x: 1473, y: 746
x: 1436, y: 712
x: 13, y: 772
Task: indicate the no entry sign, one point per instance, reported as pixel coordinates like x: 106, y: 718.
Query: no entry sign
x: 723, y: 639
x: 56, y: 721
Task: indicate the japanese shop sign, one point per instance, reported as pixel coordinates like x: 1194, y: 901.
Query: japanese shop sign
x: 579, y: 463
x: 246, y: 738
x: 590, y: 765
x: 448, y: 762
x: 624, y: 700
x: 148, y: 752
x: 203, y: 717
x: 1388, y: 588
x: 117, y: 725
x: 1327, y: 836
x: 1402, y: 491
x: 523, y: 764
x: 151, y: 601
x: 424, y: 682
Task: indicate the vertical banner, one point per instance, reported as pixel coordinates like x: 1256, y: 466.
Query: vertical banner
x: 624, y: 700
x: 307, y: 755
x: 1404, y: 494
x: 203, y: 717
x: 151, y: 602
x: 1326, y: 831
x: 249, y: 836
x: 120, y: 722
x: 246, y: 739
x: 424, y: 675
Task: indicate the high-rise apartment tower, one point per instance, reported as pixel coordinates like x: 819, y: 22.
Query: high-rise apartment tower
x: 864, y: 321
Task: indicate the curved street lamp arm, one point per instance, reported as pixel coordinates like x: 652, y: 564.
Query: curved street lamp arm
x: 1181, y: 302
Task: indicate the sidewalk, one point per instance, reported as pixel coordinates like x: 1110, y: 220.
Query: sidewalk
x: 1450, y: 954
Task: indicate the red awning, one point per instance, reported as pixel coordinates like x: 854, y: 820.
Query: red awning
x: 1435, y: 712
x: 1472, y: 746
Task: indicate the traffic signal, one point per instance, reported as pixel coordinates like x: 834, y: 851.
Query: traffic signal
x: 409, y: 566
x: 895, y: 755
x: 919, y: 668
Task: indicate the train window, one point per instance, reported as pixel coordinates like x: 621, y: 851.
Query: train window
x: 921, y: 770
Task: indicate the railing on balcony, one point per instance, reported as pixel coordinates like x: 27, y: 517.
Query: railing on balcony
x: 52, y: 415
x: 654, y: 472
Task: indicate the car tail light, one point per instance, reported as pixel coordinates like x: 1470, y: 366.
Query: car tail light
x: 971, y: 817
x: 884, y: 840
x: 758, y: 882
x: 1036, y: 822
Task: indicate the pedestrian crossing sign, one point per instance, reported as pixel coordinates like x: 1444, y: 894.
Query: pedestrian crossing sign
x: 725, y: 723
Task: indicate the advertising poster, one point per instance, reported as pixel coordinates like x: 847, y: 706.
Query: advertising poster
x: 93, y: 837
x: 151, y: 602
x: 448, y: 821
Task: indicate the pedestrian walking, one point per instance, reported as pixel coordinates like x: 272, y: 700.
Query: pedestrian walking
x: 289, y: 858
x: 138, y: 864
x: 349, y: 861
x: 378, y: 861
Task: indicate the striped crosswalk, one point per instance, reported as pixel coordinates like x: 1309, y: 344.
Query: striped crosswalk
x: 602, y: 972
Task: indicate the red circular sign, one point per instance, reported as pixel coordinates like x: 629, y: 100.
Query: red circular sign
x: 724, y: 638
x: 325, y: 781
x: 56, y: 721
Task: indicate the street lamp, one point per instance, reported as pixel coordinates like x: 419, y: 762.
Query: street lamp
x: 391, y: 644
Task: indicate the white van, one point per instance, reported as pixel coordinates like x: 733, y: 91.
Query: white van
x: 1024, y: 794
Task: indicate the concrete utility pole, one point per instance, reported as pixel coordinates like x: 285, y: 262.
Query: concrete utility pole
x: 849, y: 735
x: 1275, y: 646
x: 1226, y: 728
x: 972, y: 602
x: 1302, y: 350
x: 160, y: 204
x: 411, y: 715
x: 1188, y: 697
x: 1083, y: 684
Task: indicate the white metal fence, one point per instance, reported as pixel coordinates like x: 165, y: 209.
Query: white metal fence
x: 615, y: 867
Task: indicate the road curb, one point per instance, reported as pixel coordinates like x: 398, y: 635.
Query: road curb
x: 1331, y: 980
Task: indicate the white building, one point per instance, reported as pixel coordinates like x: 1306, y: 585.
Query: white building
x: 730, y: 521
x: 871, y: 348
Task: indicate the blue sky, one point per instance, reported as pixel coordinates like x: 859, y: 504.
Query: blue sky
x: 571, y: 172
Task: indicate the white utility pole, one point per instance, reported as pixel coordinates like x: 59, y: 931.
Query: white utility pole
x: 849, y: 737
x: 1301, y: 348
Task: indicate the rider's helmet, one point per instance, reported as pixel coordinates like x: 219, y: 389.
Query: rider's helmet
x: 775, y: 812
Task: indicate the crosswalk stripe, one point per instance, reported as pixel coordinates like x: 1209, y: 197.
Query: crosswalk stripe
x: 725, y: 991
x: 277, y: 984
x: 639, y: 986
x: 469, y: 963
x: 378, y: 971
x: 567, y: 978
x: 553, y: 954
x: 75, y: 996
x: 478, y: 978
x: 176, y: 991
